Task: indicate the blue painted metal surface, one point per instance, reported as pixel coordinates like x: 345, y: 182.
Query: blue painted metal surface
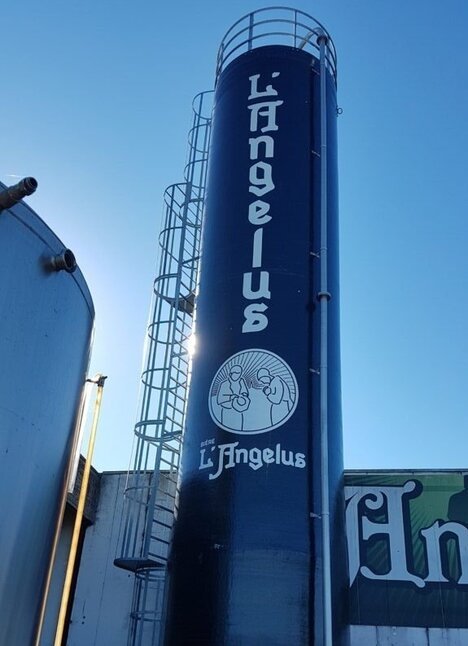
x: 246, y: 559
x: 46, y: 319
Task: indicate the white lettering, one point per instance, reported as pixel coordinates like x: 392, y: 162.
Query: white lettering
x: 257, y: 248
x: 225, y: 450
x: 392, y: 532
x: 209, y: 461
x: 260, y: 176
x: 258, y: 212
x: 242, y: 455
x: 432, y: 536
x: 263, y: 118
x: 268, y: 456
x: 263, y: 290
x: 255, y: 321
x: 231, y: 455
x: 265, y: 110
x: 300, y: 461
x: 287, y: 458
x: 254, y: 92
x: 255, y: 459
x: 255, y: 142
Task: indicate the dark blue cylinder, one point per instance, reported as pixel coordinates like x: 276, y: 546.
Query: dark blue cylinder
x: 245, y: 566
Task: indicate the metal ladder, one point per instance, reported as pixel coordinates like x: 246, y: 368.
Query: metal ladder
x: 151, y: 493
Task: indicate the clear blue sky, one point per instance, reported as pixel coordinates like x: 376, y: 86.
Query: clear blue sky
x: 96, y: 103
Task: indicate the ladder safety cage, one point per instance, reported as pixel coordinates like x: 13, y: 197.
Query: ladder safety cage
x: 151, y: 493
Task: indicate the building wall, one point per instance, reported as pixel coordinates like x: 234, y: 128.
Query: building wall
x: 403, y: 636
x: 55, y: 591
x: 407, y: 534
x: 103, y: 596
x: 103, y: 599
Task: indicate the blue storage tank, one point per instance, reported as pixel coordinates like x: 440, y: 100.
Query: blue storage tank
x: 46, y: 322
x: 248, y: 551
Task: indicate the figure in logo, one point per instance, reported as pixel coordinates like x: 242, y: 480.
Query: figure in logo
x: 233, y: 397
x: 277, y: 393
x: 254, y: 391
x: 458, y: 505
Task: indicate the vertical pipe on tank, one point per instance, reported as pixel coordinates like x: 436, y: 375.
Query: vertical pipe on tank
x: 68, y: 487
x: 324, y: 297
x: 99, y: 380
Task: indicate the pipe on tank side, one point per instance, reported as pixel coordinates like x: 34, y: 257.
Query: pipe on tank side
x: 323, y: 297
x: 13, y: 194
x: 64, y: 261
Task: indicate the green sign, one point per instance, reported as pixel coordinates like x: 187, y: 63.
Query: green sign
x: 408, y: 548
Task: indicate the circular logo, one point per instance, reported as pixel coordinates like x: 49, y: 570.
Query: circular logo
x: 253, y: 392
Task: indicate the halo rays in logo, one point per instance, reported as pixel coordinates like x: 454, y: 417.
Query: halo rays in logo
x: 254, y: 391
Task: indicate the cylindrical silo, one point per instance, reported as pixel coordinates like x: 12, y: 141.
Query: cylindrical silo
x: 46, y: 321
x: 258, y: 551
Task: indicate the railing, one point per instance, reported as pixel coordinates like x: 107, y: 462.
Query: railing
x: 275, y: 26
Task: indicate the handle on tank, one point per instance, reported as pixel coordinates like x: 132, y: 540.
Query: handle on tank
x: 13, y: 194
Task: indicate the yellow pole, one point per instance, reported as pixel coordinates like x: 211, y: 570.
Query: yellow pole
x: 99, y: 380
x: 63, y: 500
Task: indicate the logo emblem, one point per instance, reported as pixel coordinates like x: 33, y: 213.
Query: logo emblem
x: 254, y: 391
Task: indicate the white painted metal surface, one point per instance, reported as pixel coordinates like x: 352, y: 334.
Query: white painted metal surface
x: 403, y: 636
x: 103, y: 597
x: 56, y: 584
